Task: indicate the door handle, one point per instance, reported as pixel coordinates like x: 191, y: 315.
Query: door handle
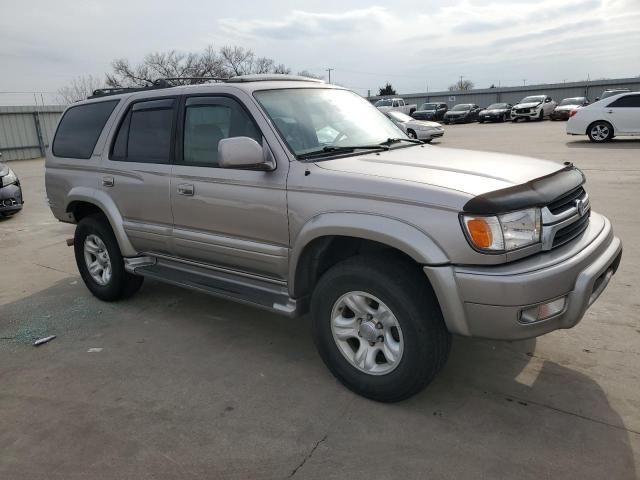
x: 609, y: 111
x: 107, y: 181
x: 186, y: 189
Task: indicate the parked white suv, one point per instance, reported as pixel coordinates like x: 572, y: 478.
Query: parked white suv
x: 535, y: 107
x: 607, y: 118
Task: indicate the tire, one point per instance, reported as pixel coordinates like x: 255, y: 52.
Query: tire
x: 600, y: 131
x: 480, y: 120
x: 428, y: 141
x: 95, y: 231
x: 504, y: 118
x: 422, y: 335
x: 412, y: 134
x: 541, y: 115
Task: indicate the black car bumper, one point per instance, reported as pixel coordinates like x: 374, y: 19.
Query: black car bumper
x: 460, y: 119
x: 493, y: 117
x: 11, y: 199
x: 561, y: 115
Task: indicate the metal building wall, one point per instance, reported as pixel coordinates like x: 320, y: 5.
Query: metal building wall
x: 26, y: 132
x: 487, y: 96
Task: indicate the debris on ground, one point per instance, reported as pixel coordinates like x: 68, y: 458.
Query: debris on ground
x: 94, y: 350
x: 42, y: 341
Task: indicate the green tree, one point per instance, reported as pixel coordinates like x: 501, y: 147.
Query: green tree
x: 387, y: 90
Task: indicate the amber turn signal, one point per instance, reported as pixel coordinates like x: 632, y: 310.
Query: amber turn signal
x: 480, y: 232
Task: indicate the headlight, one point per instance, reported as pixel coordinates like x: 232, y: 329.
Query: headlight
x: 9, y: 179
x: 425, y: 127
x: 502, y: 233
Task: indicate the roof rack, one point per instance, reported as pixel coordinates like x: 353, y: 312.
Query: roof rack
x: 168, y: 82
x: 156, y: 84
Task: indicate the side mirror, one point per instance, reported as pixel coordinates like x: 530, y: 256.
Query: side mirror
x: 597, y: 98
x: 245, y: 153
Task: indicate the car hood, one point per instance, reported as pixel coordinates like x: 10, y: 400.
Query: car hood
x: 4, y: 170
x: 467, y: 171
x: 567, y: 107
x: 424, y: 123
x: 386, y: 109
x: 527, y: 105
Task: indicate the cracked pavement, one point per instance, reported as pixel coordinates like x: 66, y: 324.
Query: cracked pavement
x: 190, y: 386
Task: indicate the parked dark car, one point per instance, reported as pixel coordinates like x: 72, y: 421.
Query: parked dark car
x: 496, y: 112
x: 10, y: 191
x: 431, y: 111
x: 462, y: 113
x: 566, y: 106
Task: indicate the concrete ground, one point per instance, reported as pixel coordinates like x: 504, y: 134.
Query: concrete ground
x: 189, y: 386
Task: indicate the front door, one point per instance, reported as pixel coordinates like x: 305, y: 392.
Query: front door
x: 235, y: 219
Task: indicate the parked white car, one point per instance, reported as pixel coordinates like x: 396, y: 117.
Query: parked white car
x: 535, y: 107
x: 607, y: 118
x: 419, y: 129
x: 396, y: 105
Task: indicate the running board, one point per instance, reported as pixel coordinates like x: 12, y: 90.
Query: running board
x: 224, y: 284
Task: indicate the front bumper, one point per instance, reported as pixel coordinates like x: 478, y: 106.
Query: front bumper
x: 457, y: 119
x: 560, y: 115
x: 11, y: 199
x: 488, y: 301
x: 429, y: 134
x: 532, y: 113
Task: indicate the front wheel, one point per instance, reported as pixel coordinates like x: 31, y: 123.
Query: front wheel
x: 378, y: 327
x: 100, y: 262
x: 599, y: 132
x: 412, y: 134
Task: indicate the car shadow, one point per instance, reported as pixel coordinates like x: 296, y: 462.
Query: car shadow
x: 497, y: 410
x: 616, y: 143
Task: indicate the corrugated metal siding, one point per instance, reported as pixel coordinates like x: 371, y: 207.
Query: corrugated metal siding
x: 487, y: 96
x: 18, y: 133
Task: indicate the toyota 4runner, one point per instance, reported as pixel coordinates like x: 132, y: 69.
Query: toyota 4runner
x: 294, y: 196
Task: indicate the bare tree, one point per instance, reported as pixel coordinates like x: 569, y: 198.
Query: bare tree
x: 78, y: 89
x: 461, y: 85
x: 227, y: 62
x: 308, y: 74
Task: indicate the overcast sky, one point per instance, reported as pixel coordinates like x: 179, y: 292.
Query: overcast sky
x: 416, y: 45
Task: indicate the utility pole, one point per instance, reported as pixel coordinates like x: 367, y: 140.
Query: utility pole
x: 329, y: 70
x: 460, y: 84
x: 524, y: 81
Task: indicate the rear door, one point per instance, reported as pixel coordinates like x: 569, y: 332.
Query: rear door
x: 137, y: 175
x: 624, y: 114
x: 230, y: 218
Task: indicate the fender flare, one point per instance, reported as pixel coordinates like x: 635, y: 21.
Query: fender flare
x: 392, y: 232
x: 110, y: 210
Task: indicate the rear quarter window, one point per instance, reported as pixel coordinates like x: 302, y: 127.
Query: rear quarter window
x: 80, y: 128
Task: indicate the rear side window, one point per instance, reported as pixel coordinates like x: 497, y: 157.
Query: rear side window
x: 626, y: 101
x: 80, y: 129
x: 145, y: 133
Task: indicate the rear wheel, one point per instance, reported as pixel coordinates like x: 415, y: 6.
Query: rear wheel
x: 100, y: 262
x: 378, y: 327
x: 600, y: 131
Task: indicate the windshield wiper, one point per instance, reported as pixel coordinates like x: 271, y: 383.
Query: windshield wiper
x: 331, y: 149
x: 390, y: 141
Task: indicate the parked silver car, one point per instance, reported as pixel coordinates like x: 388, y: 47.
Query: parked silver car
x: 418, y: 129
x: 295, y: 196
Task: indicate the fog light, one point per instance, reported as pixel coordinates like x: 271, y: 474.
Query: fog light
x: 544, y: 311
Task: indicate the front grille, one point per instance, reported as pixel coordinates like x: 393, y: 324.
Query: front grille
x: 568, y: 233
x: 567, y: 201
x: 522, y: 110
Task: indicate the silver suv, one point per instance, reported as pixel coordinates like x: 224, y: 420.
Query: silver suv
x: 295, y: 196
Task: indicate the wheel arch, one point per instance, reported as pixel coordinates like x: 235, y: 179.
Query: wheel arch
x: 330, y: 238
x: 83, y: 201
x: 591, y: 124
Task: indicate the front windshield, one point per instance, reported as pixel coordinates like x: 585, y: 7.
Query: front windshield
x: 497, y: 106
x: 384, y: 103
x: 536, y: 99
x: 572, y: 101
x: 309, y: 119
x: 400, y: 117
x: 429, y: 106
x: 463, y: 106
